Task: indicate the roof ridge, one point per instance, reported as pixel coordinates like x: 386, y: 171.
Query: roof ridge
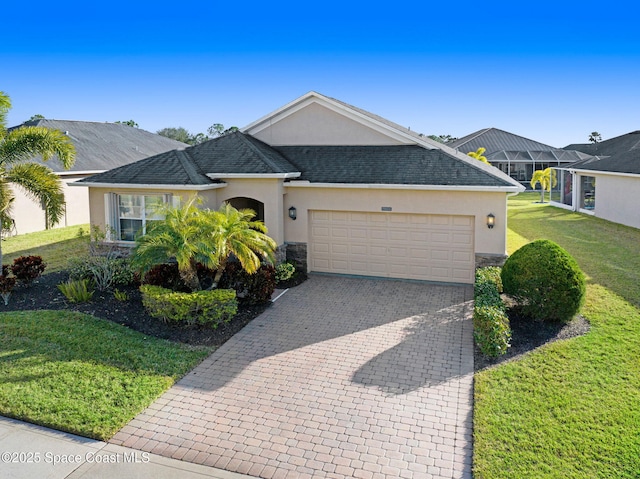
x: 189, y: 166
x: 262, y: 156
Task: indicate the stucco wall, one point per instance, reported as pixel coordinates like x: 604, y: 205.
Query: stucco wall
x: 477, y: 204
x: 29, y: 215
x: 618, y: 199
x: 269, y: 191
x: 318, y: 125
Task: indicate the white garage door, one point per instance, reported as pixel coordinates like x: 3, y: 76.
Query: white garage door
x: 394, y: 245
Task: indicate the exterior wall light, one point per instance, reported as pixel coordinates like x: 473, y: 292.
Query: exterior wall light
x: 491, y: 220
x: 293, y: 213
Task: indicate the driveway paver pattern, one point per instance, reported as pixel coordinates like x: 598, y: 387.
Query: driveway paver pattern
x: 340, y: 377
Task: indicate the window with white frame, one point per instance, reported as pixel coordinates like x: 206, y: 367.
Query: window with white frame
x: 129, y: 215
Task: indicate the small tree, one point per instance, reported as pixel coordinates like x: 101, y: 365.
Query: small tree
x: 184, y: 234
x: 547, y: 178
x: 479, y: 155
x: 234, y: 233
x: 595, y: 137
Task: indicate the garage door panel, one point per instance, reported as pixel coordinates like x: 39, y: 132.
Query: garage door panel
x: 428, y: 247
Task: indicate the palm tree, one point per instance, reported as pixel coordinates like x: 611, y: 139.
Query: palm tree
x: 236, y: 234
x: 39, y: 182
x: 547, y: 179
x: 479, y: 155
x: 184, y: 234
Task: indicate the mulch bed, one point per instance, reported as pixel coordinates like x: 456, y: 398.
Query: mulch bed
x: 44, y: 294
x: 528, y: 334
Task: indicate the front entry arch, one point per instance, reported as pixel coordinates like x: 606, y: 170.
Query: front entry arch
x: 241, y: 202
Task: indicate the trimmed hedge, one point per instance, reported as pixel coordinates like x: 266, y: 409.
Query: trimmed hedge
x: 491, y: 329
x: 210, y: 307
x: 545, y: 280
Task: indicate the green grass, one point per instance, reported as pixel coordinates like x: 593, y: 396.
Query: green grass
x: 76, y: 373
x: 572, y: 408
x: 55, y: 246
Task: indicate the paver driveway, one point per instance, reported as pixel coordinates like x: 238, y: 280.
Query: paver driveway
x: 341, y: 377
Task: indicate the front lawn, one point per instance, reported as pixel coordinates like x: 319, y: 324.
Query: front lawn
x: 84, y: 375
x: 572, y: 408
x: 56, y: 246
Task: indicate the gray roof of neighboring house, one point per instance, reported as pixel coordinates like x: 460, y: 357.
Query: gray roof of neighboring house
x: 626, y: 162
x: 103, y: 146
x: 239, y: 153
x: 494, y: 139
x: 402, y: 164
x: 618, y: 155
x: 610, y: 147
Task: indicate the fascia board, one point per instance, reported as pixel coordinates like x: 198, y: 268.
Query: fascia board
x: 129, y: 186
x: 502, y: 189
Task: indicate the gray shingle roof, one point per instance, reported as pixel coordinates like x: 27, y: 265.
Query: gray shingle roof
x: 103, y: 146
x: 610, y: 147
x: 170, y: 168
x: 406, y: 164
x: 240, y: 153
x: 494, y: 139
x: 619, y: 155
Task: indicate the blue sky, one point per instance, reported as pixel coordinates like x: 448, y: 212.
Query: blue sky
x: 550, y: 71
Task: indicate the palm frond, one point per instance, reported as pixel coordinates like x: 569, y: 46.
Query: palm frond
x: 5, y: 106
x: 30, y: 142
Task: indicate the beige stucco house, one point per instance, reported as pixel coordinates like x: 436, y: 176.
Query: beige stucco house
x: 99, y: 147
x: 341, y: 191
x: 606, y: 185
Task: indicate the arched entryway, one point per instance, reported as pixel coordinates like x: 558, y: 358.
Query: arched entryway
x: 242, y: 202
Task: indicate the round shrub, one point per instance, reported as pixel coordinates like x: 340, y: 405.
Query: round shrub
x: 545, y: 280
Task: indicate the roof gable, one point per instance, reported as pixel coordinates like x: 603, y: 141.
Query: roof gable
x: 315, y: 119
x: 103, y: 146
x: 612, y: 146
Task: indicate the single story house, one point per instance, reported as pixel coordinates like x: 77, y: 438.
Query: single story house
x: 99, y: 147
x: 516, y: 155
x: 341, y: 191
x: 606, y: 185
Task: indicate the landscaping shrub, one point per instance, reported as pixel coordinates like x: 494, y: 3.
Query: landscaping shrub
x: 104, y: 271
x: 250, y: 288
x: 77, y: 291
x: 545, y: 280
x: 491, y: 329
x: 285, y: 271
x: 27, y: 268
x: 7, y: 283
x: 165, y: 275
x: 209, y: 307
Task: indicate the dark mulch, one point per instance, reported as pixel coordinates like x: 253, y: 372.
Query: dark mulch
x: 44, y: 294
x: 527, y: 335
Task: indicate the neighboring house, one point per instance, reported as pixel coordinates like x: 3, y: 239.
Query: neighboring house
x: 99, y: 147
x: 606, y: 185
x: 340, y: 190
x: 515, y: 155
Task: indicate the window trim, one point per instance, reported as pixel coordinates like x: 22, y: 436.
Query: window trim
x: 113, y: 218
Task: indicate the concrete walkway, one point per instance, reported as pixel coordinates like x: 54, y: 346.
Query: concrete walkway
x: 28, y: 451
x: 341, y: 377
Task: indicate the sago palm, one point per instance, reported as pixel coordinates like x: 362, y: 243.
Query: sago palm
x: 547, y: 178
x: 236, y: 234
x: 184, y: 235
x: 19, y: 146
